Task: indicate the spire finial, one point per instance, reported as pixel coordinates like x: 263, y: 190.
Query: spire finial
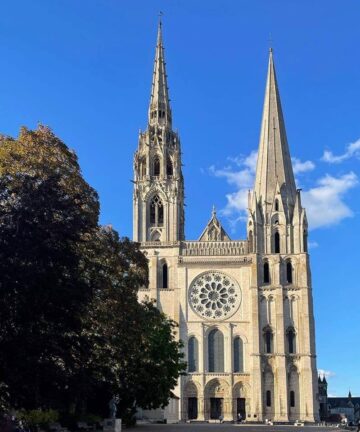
x: 213, y: 212
x: 270, y: 43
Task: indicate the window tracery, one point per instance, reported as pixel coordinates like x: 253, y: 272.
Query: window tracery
x: 156, y: 211
x: 214, y: 295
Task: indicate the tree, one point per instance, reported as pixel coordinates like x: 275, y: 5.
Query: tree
x: 48, y: 215
x: 72, y: 332
x: 135, y: 352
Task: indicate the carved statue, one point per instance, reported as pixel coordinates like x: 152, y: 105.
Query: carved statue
x: 113, y: 406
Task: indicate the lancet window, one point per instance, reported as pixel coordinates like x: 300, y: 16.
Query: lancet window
x: 266, y: 271
x: 268, y: 341
x: 291, y: 341
x: 289, y: 272
x: 276, y: 242
x: 156, y: 166
x: 193, y: 354
x: 165, y: 276
x: 292, y: 398
x: 156, y: 211
x: 238, y: 355
x: 169, y: 167
x: 268, y: 398
x: 216, y: 351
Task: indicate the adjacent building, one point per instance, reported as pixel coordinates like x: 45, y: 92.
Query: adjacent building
x: 244, y: 307
x: 336, y: 409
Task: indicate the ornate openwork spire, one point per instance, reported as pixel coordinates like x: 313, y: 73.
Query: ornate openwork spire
x: 274, y: 167
x: 159, y: 109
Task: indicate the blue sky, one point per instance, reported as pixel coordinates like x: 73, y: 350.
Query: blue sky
x: 84, y: 68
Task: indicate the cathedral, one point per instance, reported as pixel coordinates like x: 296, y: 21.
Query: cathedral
x: 244, y: 307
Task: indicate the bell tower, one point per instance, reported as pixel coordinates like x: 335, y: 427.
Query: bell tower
x: 277, y: 238
x: 158, y: 198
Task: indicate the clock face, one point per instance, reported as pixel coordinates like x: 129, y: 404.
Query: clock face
x: 214, y: 295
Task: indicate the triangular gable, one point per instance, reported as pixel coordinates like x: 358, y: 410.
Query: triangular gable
x: 214, y: 230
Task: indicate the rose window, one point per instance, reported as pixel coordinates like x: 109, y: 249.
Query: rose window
x: 214, y: 295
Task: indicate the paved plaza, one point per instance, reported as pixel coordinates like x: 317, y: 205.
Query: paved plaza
x: 229, y: 427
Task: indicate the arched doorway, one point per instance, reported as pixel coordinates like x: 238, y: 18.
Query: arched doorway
x: 191, y: 400
x: 241, y: 401
x: 217, y: 400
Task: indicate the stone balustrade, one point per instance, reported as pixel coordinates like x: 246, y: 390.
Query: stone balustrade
x: 213, y: 248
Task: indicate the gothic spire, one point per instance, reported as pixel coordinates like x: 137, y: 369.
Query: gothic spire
x: 159, y: 109
x: 274, y: 169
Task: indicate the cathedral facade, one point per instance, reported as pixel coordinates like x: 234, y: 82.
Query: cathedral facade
x: 244, y: 307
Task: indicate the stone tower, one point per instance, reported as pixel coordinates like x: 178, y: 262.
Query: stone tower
x: 158, y: 201
x: 277, y: 235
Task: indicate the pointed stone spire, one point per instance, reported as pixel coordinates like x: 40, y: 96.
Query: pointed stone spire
x: 274, y: 168
x: 159, y: 109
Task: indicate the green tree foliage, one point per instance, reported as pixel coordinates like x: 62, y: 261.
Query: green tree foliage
x: 136, y: 342
x: 47, y: 214
x: 72, y: 332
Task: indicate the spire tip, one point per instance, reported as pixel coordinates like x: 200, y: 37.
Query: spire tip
x: 160, y: 15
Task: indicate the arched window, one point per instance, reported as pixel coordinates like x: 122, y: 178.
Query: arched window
x: 292, y: 398
x: 276, y: 205
x: 305, y: 241
x: 277, y: 242
x: 268, y: 398
x: 289, y: 272
x: 216, y: 351
x: 169, y: 167
x: 238, y: 355
x: 193, y: 354
x: 251, y: 242
x: 156, y: 211
x: 156, y: 166
x: 165, y: 276
x: 291, y: 341
x: 266, y: 272
x: 268, y: 339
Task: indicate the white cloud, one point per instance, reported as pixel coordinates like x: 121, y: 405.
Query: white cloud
x: 243, y: 179
x: 301, y: 167
x: 324, y: 203
x: 313, y: 244
x: 352, y: 149
x: 326, y: 373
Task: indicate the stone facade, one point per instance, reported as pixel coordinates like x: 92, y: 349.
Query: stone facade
x: 244, y: 307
